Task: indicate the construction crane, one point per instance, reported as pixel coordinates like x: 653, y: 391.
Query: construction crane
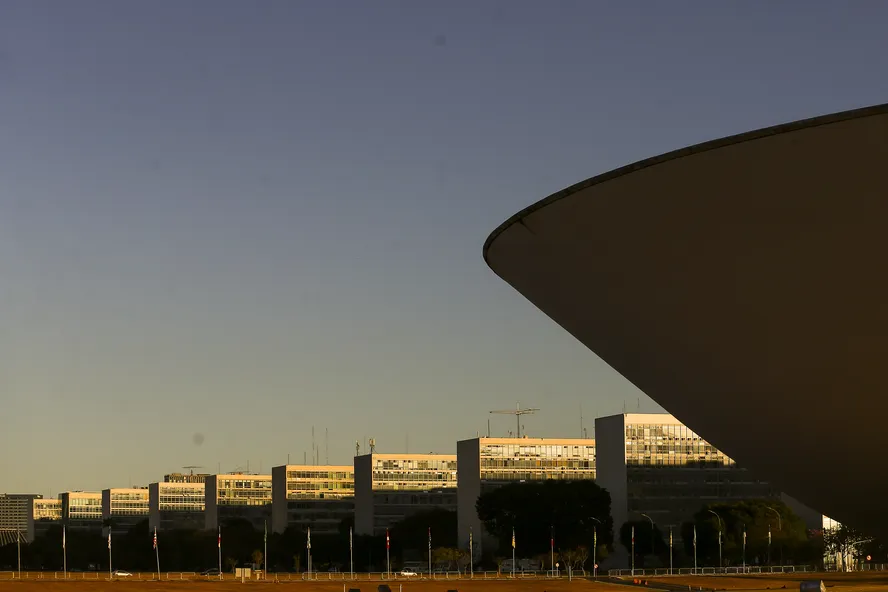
x: 517, y: 412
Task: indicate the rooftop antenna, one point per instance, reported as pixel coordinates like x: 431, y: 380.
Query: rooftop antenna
x: 192, y: 467
x: 488, y: 427
x: 288, y: 458
x: 582, y: 431
x: 638, y: 404
x: 326, y: 446
x: 314, y: 458
x: 518, y: 412
x: 357, y: 448
x: 372, y: 446
x: 304, y: 457
x: 406, y: 443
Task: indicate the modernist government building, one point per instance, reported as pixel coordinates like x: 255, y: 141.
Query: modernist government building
x: 740, y: 284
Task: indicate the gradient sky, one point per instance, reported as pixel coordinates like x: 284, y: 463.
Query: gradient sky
x: 242, y: 219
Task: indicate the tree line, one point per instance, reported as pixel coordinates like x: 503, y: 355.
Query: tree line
x: 570, y: 520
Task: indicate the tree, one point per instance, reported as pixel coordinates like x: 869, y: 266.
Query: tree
x: 257, y: 557
x: 564, y: 510
x: 788, y: 533
x: 845, y: 545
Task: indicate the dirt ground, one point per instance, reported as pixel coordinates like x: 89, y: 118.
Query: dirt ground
x: 848, y: 582
x: 230, y: 586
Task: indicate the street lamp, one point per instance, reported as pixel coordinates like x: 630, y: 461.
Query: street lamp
x: 719, y: 537
x: 651, y: 520
x: 779, y: 528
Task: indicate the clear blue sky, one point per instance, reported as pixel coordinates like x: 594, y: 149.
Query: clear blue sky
x: 242, y: 219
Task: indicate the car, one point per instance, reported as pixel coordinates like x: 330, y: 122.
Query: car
x: 210, y: 572
x: 407, y: 572
x: 122, y: 574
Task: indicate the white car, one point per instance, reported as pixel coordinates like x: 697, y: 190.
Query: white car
x: 122, y: 574
x: 407, y: 572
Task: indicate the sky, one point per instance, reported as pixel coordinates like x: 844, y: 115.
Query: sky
x: 225, y: 222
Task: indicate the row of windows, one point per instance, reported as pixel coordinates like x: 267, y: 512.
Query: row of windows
x: 242, y: 484
x: 537, y: 451
x: 332, y: 475
x: 415, y: 465
x: 553, y: 465
x: 510, y: 475
x: 321, y: 486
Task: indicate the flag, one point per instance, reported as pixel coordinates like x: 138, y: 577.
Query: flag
x: 513, y: 538
x: 388, y: 543
x: 769, y: 534
x: 219, y: 539
x: 155, y: 537
x: 350, y: 542
x: 744, y: 535
x: 265, y: 535
x: 633, y: 535
x: 308, y: 539
x: 470, y: 537
x: 695, y: 536
x: 63, y: 537
x: 430, y: 538
x: 670, y: 538
x: 109, y: 539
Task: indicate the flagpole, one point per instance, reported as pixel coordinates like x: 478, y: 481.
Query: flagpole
x: 18, y: 544
x: 265, y: 540
x: 670, y: 550
x: 157, y: 553
x: 744, y: 548
x: 64, y: 555
x: 110, y: 573
x: 513, y: 552
x: 388, y: 560
x: 219, y: 544
x: 594, y: 551
x: 351, y: 552
x: 633, y: 550
x: 308, y: 550
x: 430, y: 550
x: 471, y: 555
x: 695, y: 549
x: 552, y: 548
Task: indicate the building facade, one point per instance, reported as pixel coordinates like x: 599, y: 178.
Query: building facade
x: 44, y: 514
x: 391, y: 487
x: 81, y: 509
x: 185, y: 478
x: 123, y: 508
x: 15, y: 509
x: 238, y: 495
x: 653, y: 464
x: 312, y: 496
x: 176, y: 505
x: 491, y: 462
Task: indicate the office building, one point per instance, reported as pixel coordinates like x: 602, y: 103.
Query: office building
x: 238, y: 495
x: 491, y: 462
x: 391, y: 487
x: 315, y: 496
x: 176, y: 505
x: 123, y: 508
x: 185, y: 478
x: 81, y: 509
x: 14, y: 511
x: 653, y: 464
x: 44, y: 514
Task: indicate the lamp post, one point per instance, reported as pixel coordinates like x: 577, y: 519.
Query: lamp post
x: 719, y: 537
x: 779, y: 528
x: 653, y: 538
